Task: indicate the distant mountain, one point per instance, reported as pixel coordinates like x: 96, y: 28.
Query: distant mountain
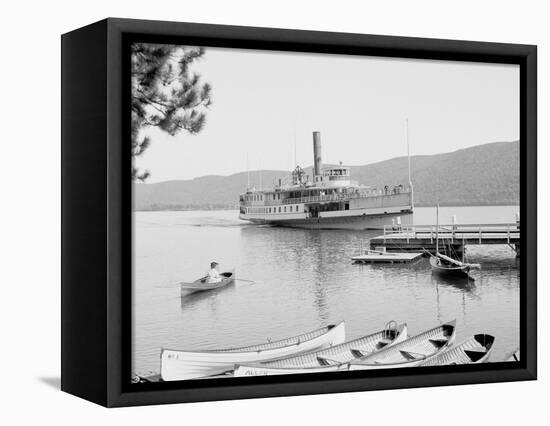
x: 481, y: 175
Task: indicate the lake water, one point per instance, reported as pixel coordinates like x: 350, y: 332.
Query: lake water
x: 304, y: 279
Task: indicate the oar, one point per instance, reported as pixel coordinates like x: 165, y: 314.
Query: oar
x: 176, y: 283
x: 250, y: 282
x: 171, y: 285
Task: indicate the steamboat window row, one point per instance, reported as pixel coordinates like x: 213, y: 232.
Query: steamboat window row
x: 258, y: 197
x: 271, y: 210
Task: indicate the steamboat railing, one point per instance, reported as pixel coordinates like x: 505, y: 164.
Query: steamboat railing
x: 337, y: 197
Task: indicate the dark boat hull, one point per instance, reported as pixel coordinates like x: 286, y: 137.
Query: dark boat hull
x: 451, y: 271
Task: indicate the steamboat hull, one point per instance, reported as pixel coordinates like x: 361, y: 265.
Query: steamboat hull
x: 359, y: 222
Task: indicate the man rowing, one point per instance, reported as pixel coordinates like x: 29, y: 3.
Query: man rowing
x: 213, y: 274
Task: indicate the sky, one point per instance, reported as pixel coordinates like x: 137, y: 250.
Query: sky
x: 266, y: 103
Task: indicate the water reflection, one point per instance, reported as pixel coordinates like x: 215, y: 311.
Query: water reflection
x: 191, y: 300
x: 460, y: 283
x: 302, y: 256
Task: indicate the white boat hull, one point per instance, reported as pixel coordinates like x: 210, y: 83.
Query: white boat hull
x: 253, y: 370
x: 355, y: 222
x: 201, y: 285
x: 474, y: 350
x: 339, y: 355
x: 422, y: 347
x: 185, y: 365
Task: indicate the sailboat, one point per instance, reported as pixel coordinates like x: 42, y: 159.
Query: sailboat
x: 446, y: 265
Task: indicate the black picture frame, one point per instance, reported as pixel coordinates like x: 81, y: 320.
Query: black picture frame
x: 97, y: 221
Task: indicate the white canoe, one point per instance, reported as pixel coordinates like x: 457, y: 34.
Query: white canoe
x: 334, y: 358
x: 184, y: 365
x: 474, y: 350
x: 412, y: 351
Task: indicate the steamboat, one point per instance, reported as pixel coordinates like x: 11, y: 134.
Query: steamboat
x: 327, y: 200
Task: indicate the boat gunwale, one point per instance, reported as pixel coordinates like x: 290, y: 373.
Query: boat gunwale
x: 198, y: 284
x: 460, y: 349
x: 240, y: 350
x: 361, y: 361
x: 266, y: 365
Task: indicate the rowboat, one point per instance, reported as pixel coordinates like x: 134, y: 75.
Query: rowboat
x: 514, y: 356
x: 334, y: 358
x: 474, y: 350
x: 410, y: 352
x: 183, y: 365
x: 202, y: 284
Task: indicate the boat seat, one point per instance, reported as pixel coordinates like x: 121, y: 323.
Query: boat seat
x: 438, y: 343
x: 322, y: 361
x: 480, y: 350
x: 381, y: 345
x: 412, y: 355
x: 475, y: 354
x: 358, y: 353
x: 326, y: 361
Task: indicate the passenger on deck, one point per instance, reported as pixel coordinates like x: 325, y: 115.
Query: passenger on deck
x: 213, y: 274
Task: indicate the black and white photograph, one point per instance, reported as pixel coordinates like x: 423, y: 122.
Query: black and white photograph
x: 275, y: 212
x: 303, y: 212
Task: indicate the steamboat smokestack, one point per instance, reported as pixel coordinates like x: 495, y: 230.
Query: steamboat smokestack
x: 317, y: 161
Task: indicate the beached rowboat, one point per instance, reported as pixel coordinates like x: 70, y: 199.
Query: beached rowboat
x: 474, y: 350
x: 410, y: 352
x: 183, y: 365
x: 202, y: 284
x: 334, y: 358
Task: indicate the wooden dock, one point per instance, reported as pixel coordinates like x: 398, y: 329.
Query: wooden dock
x: 423, y: 237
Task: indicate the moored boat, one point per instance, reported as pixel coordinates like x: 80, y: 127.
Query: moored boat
x: 331, y: 359
x: 445, y: 265
x: 202, y: 284
x: 410, y: 352
x: 183, y: 365
x: 474, y: 350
